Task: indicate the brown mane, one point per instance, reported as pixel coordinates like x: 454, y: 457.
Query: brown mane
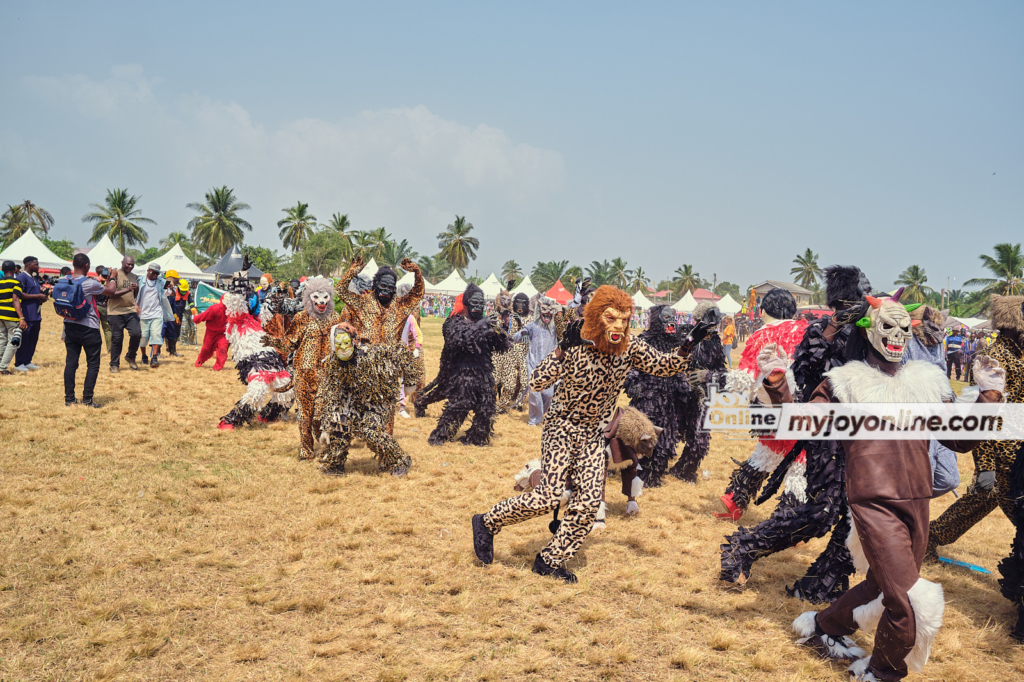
x: 605, y: 297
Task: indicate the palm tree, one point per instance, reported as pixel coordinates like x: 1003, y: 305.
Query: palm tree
x: 175, y: 238
x: 639, y: 280
x: 685, y: 280
x: 339, y: 223
x: 511, y: 270
x: 913, y: 282
x: 394, y: 253
x: 119, y: 219
x: 571, y: 276
x: 434, y: 268
x: 21, y: 218
x: 218, y: 227
x: 457, y: 247
x: 807, y: 271
x: 620, y: 273
x: 544, y: 275
x: 1007, y: 268
x: 14, y: 225
x: 296, y: 226
x: 376, y: 241
x: 599, y: 272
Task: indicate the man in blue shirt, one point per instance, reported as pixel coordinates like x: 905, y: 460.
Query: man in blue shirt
x: 31, y: 298
x: 954, y: 343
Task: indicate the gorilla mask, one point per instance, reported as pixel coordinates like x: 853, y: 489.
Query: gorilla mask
x: 475, y: 305
x: 668, y: 319
x: 384, y: 285
x: 521, y: 305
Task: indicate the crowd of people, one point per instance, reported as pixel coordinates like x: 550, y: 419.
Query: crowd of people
x: 349, y: 356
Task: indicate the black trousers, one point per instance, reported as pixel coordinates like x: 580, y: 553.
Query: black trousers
x: 29, y: 340
x: 953, y: 359
x: 118, y: 323
x: 78, y: 337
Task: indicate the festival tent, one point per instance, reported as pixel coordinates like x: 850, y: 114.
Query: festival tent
x: 491, y: 286
x: 176, y: 260
x: 104, y: 253
x: 969, y: 322
x: 641, y: 301
x: 526, y: 287
x: 559, y: 293
x: 225, y: 267
x: 452, y: 285
x: 370, y: 269
x: 728, y: 305
x: 29, y: 244
x: 408, y: 278
x: 686, y: 304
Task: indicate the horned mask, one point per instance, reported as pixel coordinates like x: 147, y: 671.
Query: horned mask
x: 888, y: 325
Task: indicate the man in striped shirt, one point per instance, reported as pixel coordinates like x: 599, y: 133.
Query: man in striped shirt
x: 12, y: 321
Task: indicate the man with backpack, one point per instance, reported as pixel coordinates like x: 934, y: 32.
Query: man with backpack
x: 74, y: 299
x: 12, y: 320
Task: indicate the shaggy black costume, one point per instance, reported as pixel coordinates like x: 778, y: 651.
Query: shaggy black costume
x: 825, y: 508
x: 660, y: 397
x: 466, y: 376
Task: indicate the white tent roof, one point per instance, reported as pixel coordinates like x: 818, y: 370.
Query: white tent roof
x: 491, y: 286
x: 526, y: 287
x: 105, y: 253
x: 641, y: 301
x: 453, y: 285
x: 966, y: 321
x: 370, y: 269
x: 686, y: 304
x: 728, y: 305
x: 175, y: 259
x: 29, y: 244
x: 407, y: 278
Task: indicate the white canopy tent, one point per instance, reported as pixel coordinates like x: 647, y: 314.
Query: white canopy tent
x: 407, y: 278
x: 491, y: 287
x: 728, y: 305
x: 526, y: 287
x: 176, y: 260
x: 969, y: 322
x: 452, y: 285
x: 370, y: 269
x: 686, y: 304
x: 641, y: 301
x: 106, y: 254
x: 29, y: 244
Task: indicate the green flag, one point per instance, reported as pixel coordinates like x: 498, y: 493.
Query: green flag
x: 206, y: 296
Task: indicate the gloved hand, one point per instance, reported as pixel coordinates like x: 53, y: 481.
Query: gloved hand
x: 582, y: 289
x: 772, y: 358
x: 416, y: 352
x: 698, y: 333
x: 525, y: 332
x: 266, y: 340
x: 989, y: 375
x: 572, y: 336
x: 698, y: 376
x: 986, y: 481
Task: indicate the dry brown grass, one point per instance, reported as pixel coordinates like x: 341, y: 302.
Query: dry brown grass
x: 141, y: 543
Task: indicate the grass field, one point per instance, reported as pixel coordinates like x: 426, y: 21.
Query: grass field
x: 139, y: 542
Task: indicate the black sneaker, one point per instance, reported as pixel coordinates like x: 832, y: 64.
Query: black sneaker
x: 69, y: 403
x: 145, y: 360
x: 333, y: 470
x: 483, y: 540
x: 156, y: 361
x: 541, y: 567
x: 114, y: 369
x: 91, y: 403
x: 131, y: 363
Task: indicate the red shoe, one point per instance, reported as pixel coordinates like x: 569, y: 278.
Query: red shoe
x: 224, y: 426
x: 732, y: 512
x: 262, y: 420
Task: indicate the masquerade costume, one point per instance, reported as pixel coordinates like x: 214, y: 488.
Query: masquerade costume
x: 660, y: 397
x: 261, y: 369
x: 214, y: 341
x: 466, y: 375
x: 376, y: 314
x: 889, y: 487
x: 541, y: 335
x: 510, y: 377
x: 412, y: 337
x: 357, y: 397
x: 589, y: 367
x: 780, y: 306
x: 309, y: 337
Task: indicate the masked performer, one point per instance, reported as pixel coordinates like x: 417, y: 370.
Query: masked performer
x: 574, y: 310
x: 889, y: 488
x: 510, y: 377
x: 778, y: 307
x: 376, y: 314
x: 823, y: 507
x: 309, y: 337
x: 541, y: 335
x: 659, y: 397
x: 412, y: 337
x: 356, y: 399
x: 707, y: 369
x: 466, y: 375
x: 214, y: 340
x: 261, y: 369
x: 590, y: 366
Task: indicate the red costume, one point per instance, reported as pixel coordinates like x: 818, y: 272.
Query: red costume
x: 214, y: 341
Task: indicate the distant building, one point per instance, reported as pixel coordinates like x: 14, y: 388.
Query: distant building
x: 705, y: 295
x: 802, y: 296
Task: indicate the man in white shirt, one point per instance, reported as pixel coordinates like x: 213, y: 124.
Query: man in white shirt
x: 150, y: 305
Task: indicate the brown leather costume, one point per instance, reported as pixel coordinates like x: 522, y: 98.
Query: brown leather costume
x: 374, y: 322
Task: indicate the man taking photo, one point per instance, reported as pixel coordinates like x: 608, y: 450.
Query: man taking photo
x: 84, y: 334
x: 31, y: 298
x: 122, y: 314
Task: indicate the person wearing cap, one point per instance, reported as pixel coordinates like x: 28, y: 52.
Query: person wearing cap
x: 31, y: 297
x: 12, y: 320
x: 172, y: 328
x: 154, y: 308
x: 183, y: 297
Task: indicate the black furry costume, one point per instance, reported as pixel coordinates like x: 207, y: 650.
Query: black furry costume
x: 660, y: 397
x: 1011, y: 568
x: 466, y: 377
x: 825, y: 508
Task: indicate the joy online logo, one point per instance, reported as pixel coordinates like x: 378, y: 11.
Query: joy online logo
x: 728, y: 410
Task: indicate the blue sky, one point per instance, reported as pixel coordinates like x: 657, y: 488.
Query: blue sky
x: 730, y: 136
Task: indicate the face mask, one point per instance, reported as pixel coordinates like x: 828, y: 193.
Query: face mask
x: 476, y: 306
x: 668, y: 319
x: 616, y: 325
x: 889, y: 330
x: 344, y: 347
x: 385, y: 290
x: 520, y: 306
x: 320, y: 299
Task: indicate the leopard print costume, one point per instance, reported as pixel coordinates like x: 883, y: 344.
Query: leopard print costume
x: 992, y: 455
x: 510, y: 378
x: 562, y: 320
x: 377, y: 323
x: 357, y: 399
x: 572, y: 438
x: 309, y: 338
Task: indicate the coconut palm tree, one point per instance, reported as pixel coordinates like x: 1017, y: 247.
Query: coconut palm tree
x: 175, y: 238
x: 339, y: 223
x: 457, y: 247
x: 511, y: 270
x: 376, y: 241
x: 218, y: 227
x: 620, y: 272
x: 119, y: 219
x: 807, y: 271
x: 296, y: 226
x: 599, y: 272
x: 544, y: 275
x: 685, y: 280
x: 14, y: 225
x: 913, y: 282
x: 394, y: 253
x: 20, y: 218
x: 639, y: 280
x: 1008, y: 269
x: 434, y: 268
x: 571, y: 276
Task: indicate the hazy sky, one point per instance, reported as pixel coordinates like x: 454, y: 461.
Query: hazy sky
x: 726, y: 135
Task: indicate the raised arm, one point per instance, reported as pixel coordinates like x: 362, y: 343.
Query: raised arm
x: 412, y: 298
x: 341, y: 288
x: 547, y: 372
x: 646, y: 359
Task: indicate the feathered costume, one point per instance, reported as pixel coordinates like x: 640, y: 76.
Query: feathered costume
x: 466, y: 375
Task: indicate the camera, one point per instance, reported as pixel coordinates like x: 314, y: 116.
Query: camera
x: 15, y: 339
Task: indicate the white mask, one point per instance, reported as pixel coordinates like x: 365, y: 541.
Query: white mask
x: 890, y: 328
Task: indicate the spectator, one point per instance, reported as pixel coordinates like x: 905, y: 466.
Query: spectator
x: 122, y: 314
x: 728, y: 338
x: 31, y: 299
x: 954, y: 344
x: 967, y: 352
x: 102, y: 276
x: 84, y: 335
x: 65, y: 271
x: 12, y: 320
x: 151, y: 303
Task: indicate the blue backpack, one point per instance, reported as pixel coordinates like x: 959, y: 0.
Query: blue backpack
x: 69, y: 299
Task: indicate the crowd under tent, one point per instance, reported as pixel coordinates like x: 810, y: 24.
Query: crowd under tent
x: 452, y: 285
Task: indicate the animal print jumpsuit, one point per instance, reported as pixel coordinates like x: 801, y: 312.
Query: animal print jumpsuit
x: 374, y: 322
x: 572, y: 437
